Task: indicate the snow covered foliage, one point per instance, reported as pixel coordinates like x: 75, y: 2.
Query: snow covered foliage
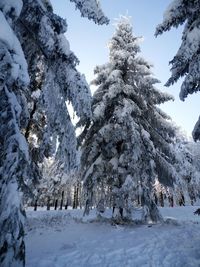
x: 57, y: 187
x: 37, y: 76
x: 127, y: 144
x: 92, y: 10
x: 14, y: 154
x: 187, y: 183
x: 186, y: 189
x: 187, y: 60
x: 54, y: 80
x: 194, y: 149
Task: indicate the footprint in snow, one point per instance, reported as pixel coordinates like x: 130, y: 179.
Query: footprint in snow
x: 68, y: 246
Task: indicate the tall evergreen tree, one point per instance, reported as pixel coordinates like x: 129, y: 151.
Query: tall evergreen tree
x: 14, y: 154
x: 34, y: 119
x: 187, y: 60
x: 54, y: 80
x: 127, y: 144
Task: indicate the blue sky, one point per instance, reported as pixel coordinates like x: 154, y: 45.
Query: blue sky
x: 89, y: 42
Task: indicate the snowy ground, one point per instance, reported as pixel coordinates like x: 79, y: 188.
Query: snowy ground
x: 63, y: 239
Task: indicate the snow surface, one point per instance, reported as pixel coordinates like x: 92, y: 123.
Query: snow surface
x: 65, y: 239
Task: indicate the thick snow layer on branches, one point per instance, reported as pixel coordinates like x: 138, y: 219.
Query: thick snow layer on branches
x: 6, y: 33
x: 171, y: 9
x: 18, y: 137
x: 186, y: 62
x: 92, y: 10
x: 15, y: 167
x: 19, y: 65
x: 11, y: 6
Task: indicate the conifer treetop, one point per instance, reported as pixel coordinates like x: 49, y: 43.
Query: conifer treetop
x: 127, y: 143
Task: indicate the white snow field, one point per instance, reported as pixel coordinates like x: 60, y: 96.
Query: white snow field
x: 65, y: 239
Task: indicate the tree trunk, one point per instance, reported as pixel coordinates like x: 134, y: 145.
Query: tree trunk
x: 171, y: 201
x: 87, y: 208
x: 161, y: 199
x: 121, y: 212
x: 74, y: 201
x: 56, y: 204
x: 62, y: 198
x: 156, y: 199
x: 77, y: 197
x: 35, y: 205
x: 138, y: 199
x: 48, y: 203
x: 66, y: 205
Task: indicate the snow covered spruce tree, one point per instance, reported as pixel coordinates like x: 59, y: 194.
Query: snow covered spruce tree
x: 186, y: 186
x: 14, y: 154
x: 189, y: 170
x: 187, y: 60
x: 127, y: 144
x: 54, y: 80
x: 34, y: 120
